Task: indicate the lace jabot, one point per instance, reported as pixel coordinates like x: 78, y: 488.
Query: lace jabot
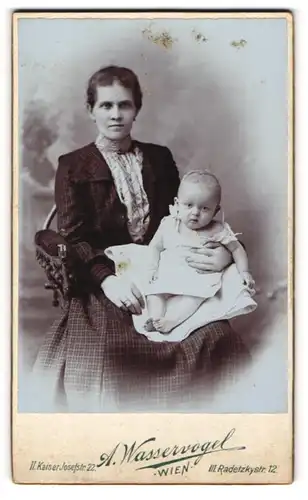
x: 114, y: 146
x: 125, y: 162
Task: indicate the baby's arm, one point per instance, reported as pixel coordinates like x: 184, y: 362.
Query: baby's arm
x: 241, y: 261
x: 156, y: 246
x: 155, y: 258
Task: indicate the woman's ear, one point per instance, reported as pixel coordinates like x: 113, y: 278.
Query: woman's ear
x: 90, y: 113
x: 137, y: 113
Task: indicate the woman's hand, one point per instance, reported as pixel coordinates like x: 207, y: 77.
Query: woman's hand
x: 123, y: 293
x: 213, y: 257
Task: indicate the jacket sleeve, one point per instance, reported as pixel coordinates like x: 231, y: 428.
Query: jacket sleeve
x: 72, y: 224
x: 171, y: 176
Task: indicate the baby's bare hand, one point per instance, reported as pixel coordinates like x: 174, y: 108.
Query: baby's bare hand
x: 249, y: 282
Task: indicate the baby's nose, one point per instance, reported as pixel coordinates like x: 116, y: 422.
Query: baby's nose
x: 195, y: 210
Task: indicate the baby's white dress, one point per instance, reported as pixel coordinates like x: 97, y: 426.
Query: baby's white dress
x: 174, y: 275
x: 225, y: 295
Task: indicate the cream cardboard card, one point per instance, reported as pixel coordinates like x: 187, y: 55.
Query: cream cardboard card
x: 110, y: 111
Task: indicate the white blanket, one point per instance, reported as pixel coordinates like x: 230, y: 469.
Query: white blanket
x: 232, y: 300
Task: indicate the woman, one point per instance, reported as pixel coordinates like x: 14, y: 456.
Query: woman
x: 114, y: 191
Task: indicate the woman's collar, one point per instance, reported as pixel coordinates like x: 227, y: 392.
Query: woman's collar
x: 107, y: 145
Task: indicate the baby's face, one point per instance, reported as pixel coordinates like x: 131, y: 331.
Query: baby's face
x: 197, y: 205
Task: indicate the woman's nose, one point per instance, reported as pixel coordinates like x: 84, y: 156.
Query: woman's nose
x: 116, y: 113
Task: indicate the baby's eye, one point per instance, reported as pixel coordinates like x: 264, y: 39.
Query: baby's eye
x: 189, y: 205
x: 204, y: 209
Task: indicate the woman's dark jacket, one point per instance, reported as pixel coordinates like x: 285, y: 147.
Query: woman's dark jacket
x: 91, y: 216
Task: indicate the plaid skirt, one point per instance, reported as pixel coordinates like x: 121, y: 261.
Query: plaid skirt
x: 92, y: 359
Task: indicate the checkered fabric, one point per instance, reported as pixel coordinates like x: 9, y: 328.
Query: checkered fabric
x: 95, y: 354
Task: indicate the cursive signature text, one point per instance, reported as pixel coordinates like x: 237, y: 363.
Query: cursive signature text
x: 147, y: 456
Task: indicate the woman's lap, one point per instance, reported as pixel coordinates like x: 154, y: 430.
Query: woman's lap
x: 94, y: 351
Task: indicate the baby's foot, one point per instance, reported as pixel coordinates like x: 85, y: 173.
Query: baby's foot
x: 164, y: 325
x: 149, y: 325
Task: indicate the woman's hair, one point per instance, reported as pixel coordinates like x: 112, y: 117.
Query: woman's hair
x: 203, y: 177
x: 109, y: 75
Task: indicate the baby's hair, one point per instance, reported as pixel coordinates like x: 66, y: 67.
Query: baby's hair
x: 203, y: 177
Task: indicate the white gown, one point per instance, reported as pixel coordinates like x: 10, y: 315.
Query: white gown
x: 174, y: 275
x: 225, y: 292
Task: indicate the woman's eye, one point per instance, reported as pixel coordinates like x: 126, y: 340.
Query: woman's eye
x: 126, y: 105
x: 105, y: 105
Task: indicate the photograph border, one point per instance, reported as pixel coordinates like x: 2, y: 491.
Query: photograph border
x: 22, y: 422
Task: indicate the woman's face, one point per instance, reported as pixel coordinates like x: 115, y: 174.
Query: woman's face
x: 114, y: 111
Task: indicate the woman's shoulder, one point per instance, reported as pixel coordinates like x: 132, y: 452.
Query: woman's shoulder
x: 153, y: 147
x: 84, y: 164
x: 162, y: 159
x: 81, y: 152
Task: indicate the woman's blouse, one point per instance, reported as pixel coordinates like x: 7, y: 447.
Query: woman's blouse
x: 125, y: 164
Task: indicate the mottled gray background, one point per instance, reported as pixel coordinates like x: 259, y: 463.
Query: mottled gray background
x: 217, y: 97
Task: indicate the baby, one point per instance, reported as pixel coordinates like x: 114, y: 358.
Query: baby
x: 176, y: 290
